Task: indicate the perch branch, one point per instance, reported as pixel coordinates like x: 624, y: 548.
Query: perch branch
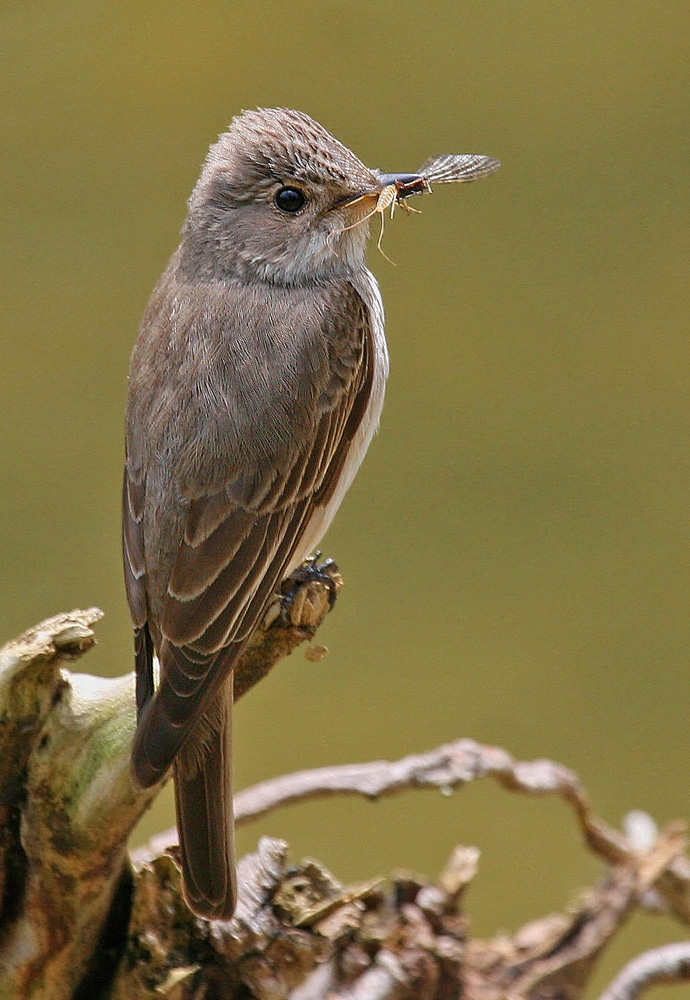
x: 77, y: 921
x: 67, y: 805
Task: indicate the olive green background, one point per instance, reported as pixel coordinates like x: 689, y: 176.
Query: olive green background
x: 516, y: 545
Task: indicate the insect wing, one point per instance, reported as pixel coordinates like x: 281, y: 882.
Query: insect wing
x: 460, y: 167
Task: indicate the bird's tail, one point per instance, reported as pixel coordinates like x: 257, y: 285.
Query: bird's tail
x: 203, y: 798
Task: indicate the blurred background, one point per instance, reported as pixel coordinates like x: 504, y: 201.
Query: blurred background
x: 516, y: 548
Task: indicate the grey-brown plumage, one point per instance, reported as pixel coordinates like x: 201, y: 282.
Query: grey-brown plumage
x: 256, y: 385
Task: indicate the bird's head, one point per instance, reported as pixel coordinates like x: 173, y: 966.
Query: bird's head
x: 280, y: 200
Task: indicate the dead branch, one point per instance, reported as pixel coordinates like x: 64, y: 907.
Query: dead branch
x: 78, y: 921
x: 450, y: 767
x: 67, y: 805
x: 668, y: 964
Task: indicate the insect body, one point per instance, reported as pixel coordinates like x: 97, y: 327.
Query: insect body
x: 447, y: 168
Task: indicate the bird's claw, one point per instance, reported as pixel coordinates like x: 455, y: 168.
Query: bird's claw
x: 305, y: 594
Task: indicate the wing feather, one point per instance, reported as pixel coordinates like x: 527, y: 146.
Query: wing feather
x: 184, y: 622
x: 198, y: 567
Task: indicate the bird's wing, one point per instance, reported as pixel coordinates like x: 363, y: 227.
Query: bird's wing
x: 239, y: 541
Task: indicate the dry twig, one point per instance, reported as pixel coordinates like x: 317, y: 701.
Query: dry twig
x: 668, y: 964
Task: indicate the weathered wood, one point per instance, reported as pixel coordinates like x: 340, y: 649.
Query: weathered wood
x: 80, y: 921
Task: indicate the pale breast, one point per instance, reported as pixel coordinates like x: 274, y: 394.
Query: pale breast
x: 322, y: 517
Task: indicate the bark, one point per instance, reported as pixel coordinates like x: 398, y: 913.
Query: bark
x: 80, y: 918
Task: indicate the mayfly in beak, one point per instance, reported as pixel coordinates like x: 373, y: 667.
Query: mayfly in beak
x: 395, y: 189
x: 448, y: 168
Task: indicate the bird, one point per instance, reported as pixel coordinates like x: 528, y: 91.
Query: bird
x: 255, y: 387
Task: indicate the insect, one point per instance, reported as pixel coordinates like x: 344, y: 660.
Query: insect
x: 447, y: 168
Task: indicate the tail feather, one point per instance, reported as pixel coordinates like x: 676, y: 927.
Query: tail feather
x: 203, y: 798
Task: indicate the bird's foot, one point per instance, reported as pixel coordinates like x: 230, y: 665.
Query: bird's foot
x: 310, y: 592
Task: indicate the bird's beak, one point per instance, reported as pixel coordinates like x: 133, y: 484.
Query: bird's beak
x: 399, y: 179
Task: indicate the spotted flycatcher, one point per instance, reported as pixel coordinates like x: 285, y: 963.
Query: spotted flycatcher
x: 255, y: 387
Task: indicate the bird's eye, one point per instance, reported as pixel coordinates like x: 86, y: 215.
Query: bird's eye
x: 290, y: 199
